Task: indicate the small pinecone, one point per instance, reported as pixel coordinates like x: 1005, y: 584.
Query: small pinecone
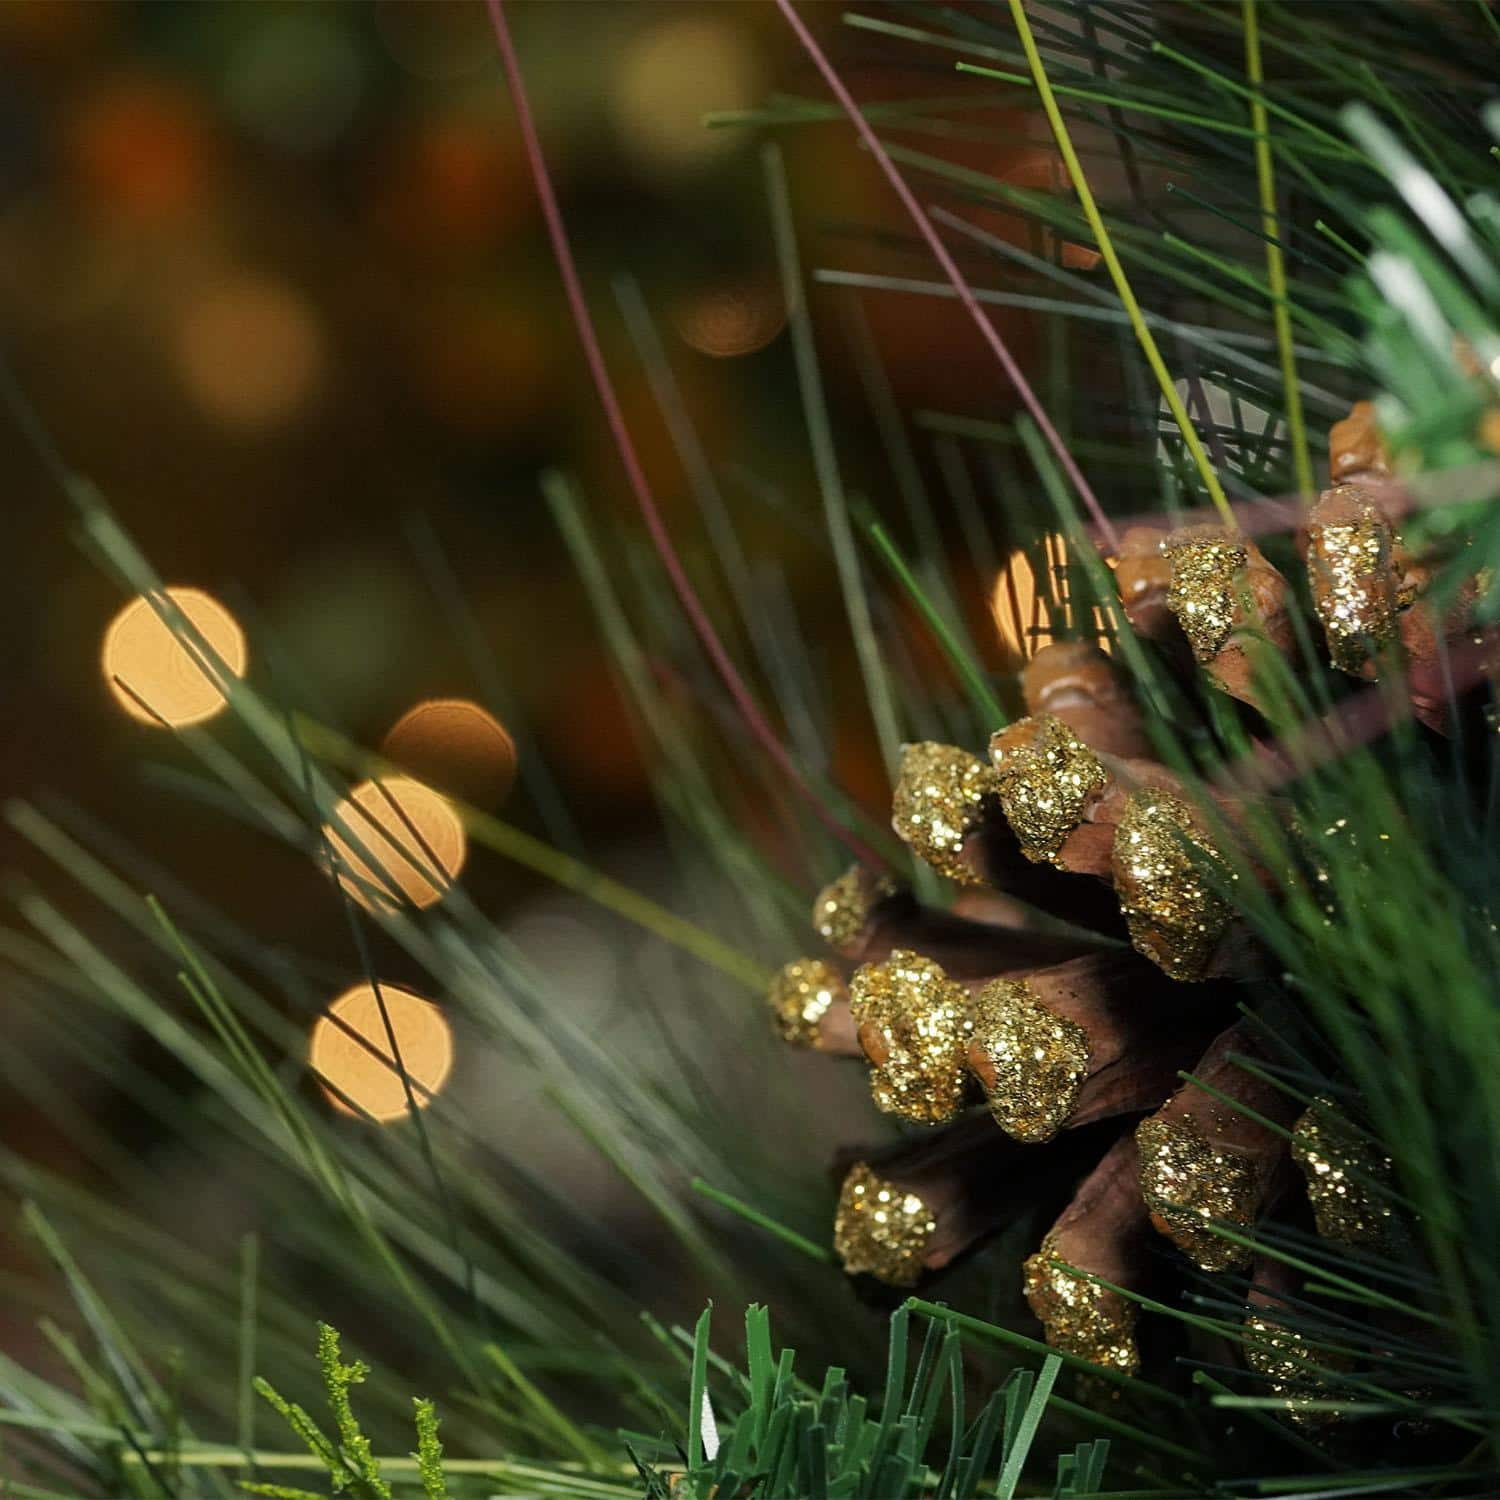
x: 1020, y: 1015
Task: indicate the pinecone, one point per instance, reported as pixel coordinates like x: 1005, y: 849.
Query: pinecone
x: 984, y: 1005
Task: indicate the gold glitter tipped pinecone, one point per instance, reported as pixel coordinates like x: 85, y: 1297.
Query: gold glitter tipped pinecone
x: 1026, y: 1057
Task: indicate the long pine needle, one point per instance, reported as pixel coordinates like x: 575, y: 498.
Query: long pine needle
x: 1106, y: 245
x: 1265, y: 174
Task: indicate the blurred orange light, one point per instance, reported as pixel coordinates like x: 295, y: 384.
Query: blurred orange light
x: 414, y: 841
x: 249, y: 349
x: 731, y: 320
x: 454, y: 745
x: 1031, y: 613
x: 359, y: 1071
x: 155, y: 677
x: 452, y: 187
x: 670, y: 77
x: 140, y: 148
x: 1022, y: 616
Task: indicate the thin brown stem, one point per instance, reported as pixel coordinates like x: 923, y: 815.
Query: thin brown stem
x: 692, y: 606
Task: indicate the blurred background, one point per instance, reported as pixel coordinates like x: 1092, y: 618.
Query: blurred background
x: 274, y: 277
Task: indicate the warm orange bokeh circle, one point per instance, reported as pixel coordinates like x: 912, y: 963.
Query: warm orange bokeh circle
x: 350, y: 1051
x: 158, y: 679
x: 396, y: 842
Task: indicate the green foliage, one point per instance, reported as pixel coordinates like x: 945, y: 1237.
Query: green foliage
x: 429, y: 1454
x: 787, y: 1439
x: 350, y: 1460
x: 1379, y: 919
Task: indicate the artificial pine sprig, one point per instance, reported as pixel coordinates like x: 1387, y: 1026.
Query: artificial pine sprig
x: 783, y: 1439
x: 352, y: 1464
x: 429, y: 1454
x: 1383, y: 938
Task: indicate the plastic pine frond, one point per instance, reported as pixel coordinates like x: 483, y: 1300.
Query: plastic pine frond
x: 1169, y: 951
x: 793, y: 1440
x: 429, y: 1453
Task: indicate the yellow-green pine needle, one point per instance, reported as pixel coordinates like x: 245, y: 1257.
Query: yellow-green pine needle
x: 623, y: 900
x: 1331, y: 234
x: 965, y: 665
x: 764, y: 1221
x: 249, y: 1286
x: 1160, y: 49
x: 1135, y: 104
x: 825, y: 462
x: 1275, y: 267
x: 1116, y: 270
x: 508, y: 840
x: 547, y: 1411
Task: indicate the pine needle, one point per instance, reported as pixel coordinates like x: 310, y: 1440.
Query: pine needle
x: 1265, y: 174
x: 1106, y: 246
x: 968, y: 670
x: 825, y: 461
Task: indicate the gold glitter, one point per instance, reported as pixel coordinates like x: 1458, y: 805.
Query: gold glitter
x: 1175, y: 916
x: 841, y: 910
x: 1080, y: 1317
x: 1344, y: 1207
x: 880, y: 1228
x: 940, y: 798
x: 1203, y: 593
x: 1188, y: 1180
x: 1048, y: 777
x: 1284, y: 1357
x: 1352, y: 580
x: 1031, y: 1062
x: 1411, y: 578
x: 914, y: 1025
x: 799, y: 997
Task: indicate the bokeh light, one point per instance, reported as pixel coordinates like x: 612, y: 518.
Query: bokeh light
x: 295, y: 81
x: 141, y: 149
x: 350, y: 1051
x: 1031, y: 612
x: 156, y: 678
x: 1021, y: 610
x: 455, y: 746
x: 249, y: 349
x: 726, y: 321
x: 411, y: 844
x: 451, y: 186
x: 670, y: 76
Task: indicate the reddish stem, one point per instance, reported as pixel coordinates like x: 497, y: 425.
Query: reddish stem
x: 950, y: 269
x: 1358, y: 720
x: 1269, y: 515
x: 563, y: 252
